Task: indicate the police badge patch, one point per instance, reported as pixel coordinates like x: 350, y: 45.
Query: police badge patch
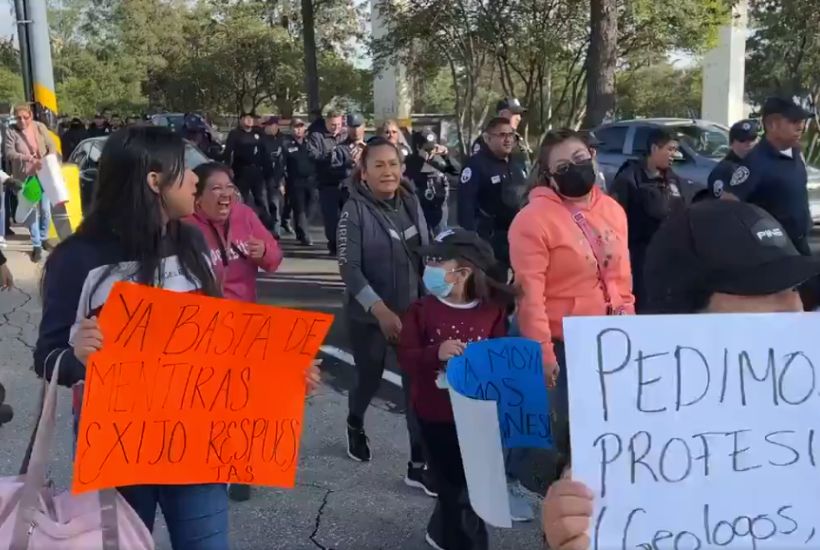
x: 717, y: 190
x: 740, y: 175
x: 466, y: 175
x: 476, y: 148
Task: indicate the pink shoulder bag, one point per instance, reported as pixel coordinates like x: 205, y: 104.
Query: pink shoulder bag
x: 604, y: 278
x: 33, y: 517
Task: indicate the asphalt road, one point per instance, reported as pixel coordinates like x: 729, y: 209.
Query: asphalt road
x: 337, y: 504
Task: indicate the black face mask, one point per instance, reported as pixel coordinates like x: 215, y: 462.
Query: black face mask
x: 578, y: 179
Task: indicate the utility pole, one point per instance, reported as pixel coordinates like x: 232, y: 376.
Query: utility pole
x: 38, y: 81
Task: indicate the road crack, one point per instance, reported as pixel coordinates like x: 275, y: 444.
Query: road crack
x: 6, y: 318
x: 319, y: 522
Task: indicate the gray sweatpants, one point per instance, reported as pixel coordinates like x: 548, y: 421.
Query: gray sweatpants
x: 373, y: 354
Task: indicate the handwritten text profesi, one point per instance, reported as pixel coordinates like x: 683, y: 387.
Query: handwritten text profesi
x: 190, y: 389
x: 697, y: 431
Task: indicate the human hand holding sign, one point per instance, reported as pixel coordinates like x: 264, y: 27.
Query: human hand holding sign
x: 551, y: 372
x: 256, y: 248
x: 313, y: 376
x: 449, y: 349
x: 567, y: 514
x: 88, y: 339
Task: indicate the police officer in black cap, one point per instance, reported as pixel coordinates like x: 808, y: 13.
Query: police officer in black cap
x: 773, y: 175
x: 274, y: 146
x: 492, y: 188
x: 431, y: 183
x: 742, y: 139
x: 333, y: 160
x: 245, y: 154
x: 511, y: 109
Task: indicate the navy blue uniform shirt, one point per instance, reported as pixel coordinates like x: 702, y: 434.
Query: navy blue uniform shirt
x: 776, y: 182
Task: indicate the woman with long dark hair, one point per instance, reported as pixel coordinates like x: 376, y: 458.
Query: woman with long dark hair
x: 133, y: 232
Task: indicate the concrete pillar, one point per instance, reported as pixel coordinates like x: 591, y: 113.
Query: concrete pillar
x: 724, y: 70
x: 391, y: 89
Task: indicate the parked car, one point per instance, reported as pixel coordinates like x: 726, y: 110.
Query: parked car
x: 702, y: 145
x: 87, y: 156
x: 213, y: 144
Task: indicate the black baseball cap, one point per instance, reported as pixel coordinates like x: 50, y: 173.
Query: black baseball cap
x: 743, y: 130
x: 458, y: 242
x: 723, y: 246
x: 424, y: 139
x: 354, y: 120
x: 786, y: 108
x: 510, y: 104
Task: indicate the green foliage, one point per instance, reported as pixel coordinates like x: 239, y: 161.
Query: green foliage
x: 660, y: 90
x: 181, y: 55
x: 783, y: 52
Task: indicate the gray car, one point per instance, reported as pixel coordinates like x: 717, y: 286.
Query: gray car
x: 702, y: 145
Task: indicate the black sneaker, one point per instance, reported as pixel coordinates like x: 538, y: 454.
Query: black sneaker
x: 286, y: 228
x: 358, y: 446
x: 421, y: 478
x: 36, y: 254
x: 239, y: 492
x: 431, y: 541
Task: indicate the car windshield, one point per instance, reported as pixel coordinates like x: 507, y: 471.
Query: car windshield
x: 707, y: 140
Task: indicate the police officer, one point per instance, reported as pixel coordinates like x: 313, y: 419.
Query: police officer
x: 742, y: 139
x: 649, y: 191
x: 272, y: 142
x: 332, y: 160
x: 245, y: 154
x: 300, y: 178
x: 431, y: 184
x: 355, y: 141
x: 492, y: 188
x: 511, y: 109
x: 773, y: 175
x: 98, y: 127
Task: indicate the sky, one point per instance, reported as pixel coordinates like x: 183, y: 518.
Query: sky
x: 7, y: 27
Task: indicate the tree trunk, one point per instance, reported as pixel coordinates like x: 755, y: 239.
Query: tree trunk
x: 311, y: 63
x: 601, y: 61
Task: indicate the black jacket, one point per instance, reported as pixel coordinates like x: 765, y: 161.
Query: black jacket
x: 244, y: 149
x: 370, y: 256
x: 721, y: 174
x: 71, y: 138
x: 331, y: 156
x: 432, y: 187
x: 274, y: 148
x: 299, y: 168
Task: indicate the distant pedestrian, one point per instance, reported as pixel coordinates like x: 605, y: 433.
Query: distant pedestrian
x: 392, y: 132
x: 74, y: 134
x: 300, y: 178
x: 245, y: 154
x: 27, y: 144
x: 432, y: 186
x: 333, y: 159
x: 98, y: 127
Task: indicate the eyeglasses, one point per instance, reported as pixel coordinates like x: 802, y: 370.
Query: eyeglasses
x: 563, y: 167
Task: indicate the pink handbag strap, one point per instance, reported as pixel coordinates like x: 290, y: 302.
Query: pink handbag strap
x: 596, y: 244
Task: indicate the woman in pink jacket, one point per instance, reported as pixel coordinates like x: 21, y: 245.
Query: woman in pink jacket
x: 238, y: 243
x: 568, y: 249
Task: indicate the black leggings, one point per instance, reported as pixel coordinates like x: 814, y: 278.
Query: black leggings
x: 372, y: 354
x: 458, y: 527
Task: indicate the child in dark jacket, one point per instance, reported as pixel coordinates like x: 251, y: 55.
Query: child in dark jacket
x: 464, y: 305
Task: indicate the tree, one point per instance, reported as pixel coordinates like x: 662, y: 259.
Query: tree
x: 601, y: 61
x: 660, y: 90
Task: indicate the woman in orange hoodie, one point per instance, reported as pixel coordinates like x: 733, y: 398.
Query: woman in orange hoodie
x: 568, y: 249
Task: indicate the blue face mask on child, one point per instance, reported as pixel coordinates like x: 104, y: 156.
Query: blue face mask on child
x: 435, y: 281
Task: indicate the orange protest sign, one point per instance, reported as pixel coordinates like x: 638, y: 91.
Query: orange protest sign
x: 191, y: 389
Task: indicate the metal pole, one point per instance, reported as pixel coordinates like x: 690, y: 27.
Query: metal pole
x: 43, y: 95
x: 23, y: 23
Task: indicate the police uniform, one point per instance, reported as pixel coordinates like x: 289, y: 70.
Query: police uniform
x: 432, y: 186
x: 244, y: 152
x: 300, y: 184
x: 776, y: 180
x: 332, y: 160
x: 274, y: 175
x: 491, y: 191
x: 745, y: 131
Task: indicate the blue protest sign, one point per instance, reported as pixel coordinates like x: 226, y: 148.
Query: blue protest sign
x: 508, y: 371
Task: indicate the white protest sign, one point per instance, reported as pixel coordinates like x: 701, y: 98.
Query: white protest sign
x: 697, y: 431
